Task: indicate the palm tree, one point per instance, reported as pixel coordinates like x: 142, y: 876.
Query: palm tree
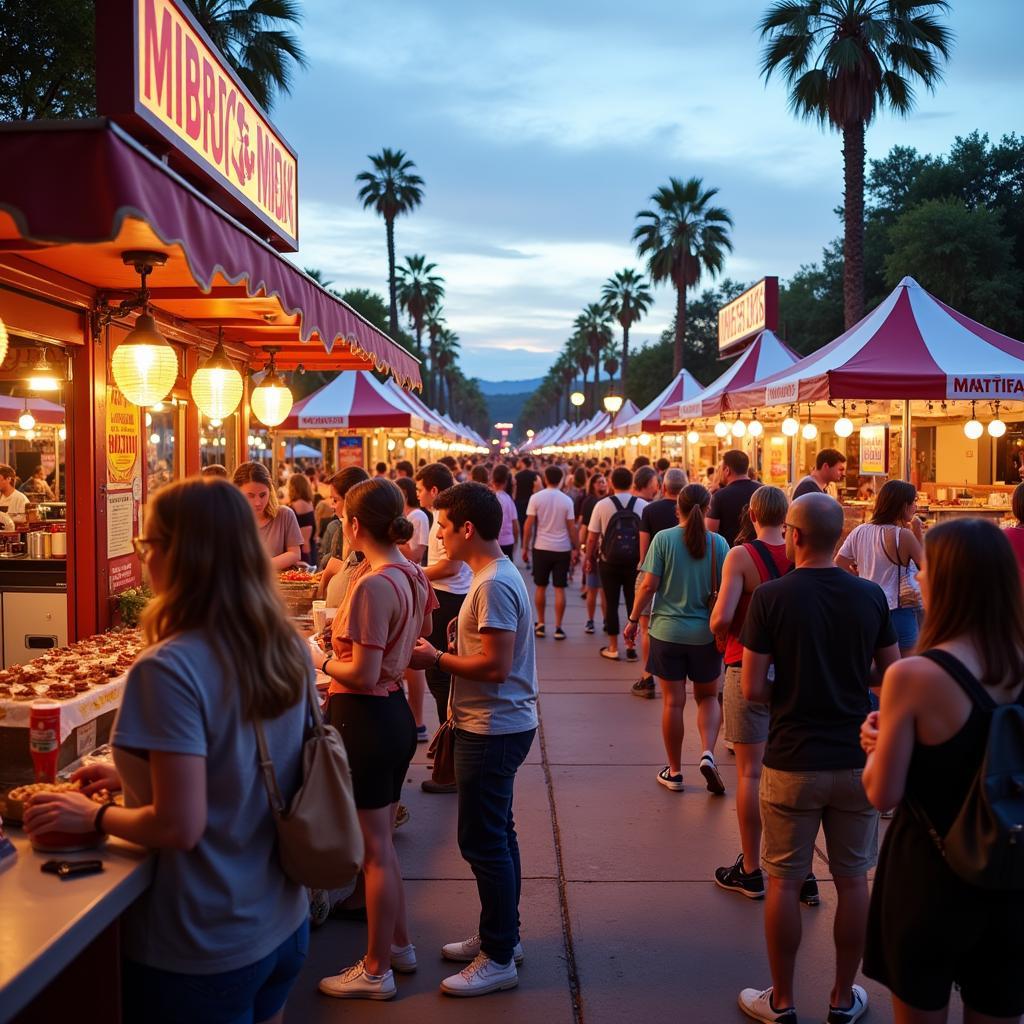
x: 842, y: 60
x: 254, y: 37
x: 611, y: 365
x: 419, y: 290
x: 682, y: 237
x: 627, y: 297
x: 595, y: 325
x: 447, y: 355
x: 392, y: 189
x: 435, y: 323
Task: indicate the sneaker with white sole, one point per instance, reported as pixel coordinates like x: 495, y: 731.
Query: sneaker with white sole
x: 403, y: 959
x: 538, y: 630
x: 709, y: 770
x: 483, y: 975
x: 836, y: 1015
x: 809, y: 894
x: 735, y: 879
x: 469, y: 949
x: 670, y: 781
x: 758, y: 1004
x: 589, y: 627
x: 559, y: 633
x: 355, y: 983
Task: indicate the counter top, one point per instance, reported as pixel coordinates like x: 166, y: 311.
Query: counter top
x: 46, y: 922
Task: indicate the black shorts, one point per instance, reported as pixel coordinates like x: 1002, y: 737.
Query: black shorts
x: 380, y: 739
x: 553, y: 565
x: 700, y: 663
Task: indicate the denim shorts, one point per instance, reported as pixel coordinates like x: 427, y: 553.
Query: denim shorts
x: 906, y: 622
x: 246, y: 995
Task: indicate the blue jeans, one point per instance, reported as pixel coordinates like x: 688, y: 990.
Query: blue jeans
x: 485, y: 771
x: 246, y: 995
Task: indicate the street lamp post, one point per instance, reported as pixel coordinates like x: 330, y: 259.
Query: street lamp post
x: 577, y: 398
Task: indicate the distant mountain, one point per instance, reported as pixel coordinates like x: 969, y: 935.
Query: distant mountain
x: 509, y: 387
x: 506, y: 408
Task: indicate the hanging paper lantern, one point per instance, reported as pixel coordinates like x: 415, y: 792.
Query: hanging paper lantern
x: 217, y: 385
x: 271, y: 400
x: 145, y: 364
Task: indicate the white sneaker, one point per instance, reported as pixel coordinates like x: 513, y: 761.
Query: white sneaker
x: 757, y: 1003
x: 469, y: 949
x: 355, y: 983
x: 483, y: 975
x: 403, y: 959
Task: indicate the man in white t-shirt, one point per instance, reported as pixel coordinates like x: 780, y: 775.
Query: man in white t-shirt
x: 616, y: 567
x: 451, y: 580
x: 551, y: 525
x: 12, y: 501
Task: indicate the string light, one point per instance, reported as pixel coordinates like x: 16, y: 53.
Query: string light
x: 721, y: 428
x: 844, y: 425
x: 755, y: 428
x: 790, y: 425
x: 972, y: 428
x: 739, y: 428
x: 997, y: 427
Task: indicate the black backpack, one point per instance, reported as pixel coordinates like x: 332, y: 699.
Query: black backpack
x: 985, y: 844
x: 621, y: 542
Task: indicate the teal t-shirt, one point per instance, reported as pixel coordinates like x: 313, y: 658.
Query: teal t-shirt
x: 680, y: 614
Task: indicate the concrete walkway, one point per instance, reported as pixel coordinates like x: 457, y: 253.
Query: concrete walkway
x: 621, y: 921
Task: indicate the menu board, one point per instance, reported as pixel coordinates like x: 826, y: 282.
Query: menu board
x: 874, y: 450
x: 124, y: 489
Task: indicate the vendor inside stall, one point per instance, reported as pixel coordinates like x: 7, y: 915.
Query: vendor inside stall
x: 279, y: 529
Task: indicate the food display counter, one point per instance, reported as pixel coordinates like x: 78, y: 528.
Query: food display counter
x: 49, y: 926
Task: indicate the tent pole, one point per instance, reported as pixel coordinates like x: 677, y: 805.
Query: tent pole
x: 905, y: 454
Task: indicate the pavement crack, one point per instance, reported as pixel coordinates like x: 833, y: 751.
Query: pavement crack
x: 572, y: 973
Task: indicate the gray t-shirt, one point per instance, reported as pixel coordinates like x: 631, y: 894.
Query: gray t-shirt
x: 281, y: 533
x: 226, y: 903
x: 808, y: 485
x: 497, y: 599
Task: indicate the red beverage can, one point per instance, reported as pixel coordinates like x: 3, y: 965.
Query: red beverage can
x: 44, y: 738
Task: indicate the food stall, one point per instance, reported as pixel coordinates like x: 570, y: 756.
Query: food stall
x: 701, y: 421
x: 155, y: 285
x: 644, y: 432
x: 915, y: 390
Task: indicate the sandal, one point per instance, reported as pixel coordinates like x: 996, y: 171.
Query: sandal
x: 610, y: 655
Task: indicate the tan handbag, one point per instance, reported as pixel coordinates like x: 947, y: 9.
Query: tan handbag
x: 319, y: 842
x: 442, y: 750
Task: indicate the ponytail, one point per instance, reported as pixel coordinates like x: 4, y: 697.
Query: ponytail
x: 692, y: 503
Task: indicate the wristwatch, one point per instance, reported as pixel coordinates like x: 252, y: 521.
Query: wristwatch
x: 437, y: 659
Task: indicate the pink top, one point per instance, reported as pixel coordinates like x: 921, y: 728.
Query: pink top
x: 1015, y: 535
x: 384, y: 609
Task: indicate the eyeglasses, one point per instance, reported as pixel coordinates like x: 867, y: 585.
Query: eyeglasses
x: 143, y: 547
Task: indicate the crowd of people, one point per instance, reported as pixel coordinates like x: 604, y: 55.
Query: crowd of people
x: 786, y: 633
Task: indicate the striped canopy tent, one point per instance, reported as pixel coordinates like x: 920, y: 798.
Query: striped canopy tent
x: 353, y: 400
x: 629, y: 412
x: 767, y: 355
x: 912, y: 346
x: 562, y: 430
x: 42, y: 411
x: 581, y: 430
x: 682, y: 388
x: 538, y: 438
x: 431, y: 422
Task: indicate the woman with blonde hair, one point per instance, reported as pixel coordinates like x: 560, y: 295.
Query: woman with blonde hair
x: 300, y: 501
x: 221, y: 933
x: 278, y: 527
x: 386, y: 608
x: 682, y: 567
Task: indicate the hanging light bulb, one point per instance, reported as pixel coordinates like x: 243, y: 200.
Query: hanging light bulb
x: 810, y: 431
x: 392, y: 444
x: 739, y: 428
x: 271, y: 400
x: 844, y: 425
x: 755, y: 428
x: 42, y: 376
x: 26, y: 420
x: 216, y: 423
x: 645, y: 440
x: 721, y: 428
x: 790, y: 425
x: 997, y: 428
x: 217, y: 386
x: 693, y: 437
x: 972, y: 428
x: 410, y: 442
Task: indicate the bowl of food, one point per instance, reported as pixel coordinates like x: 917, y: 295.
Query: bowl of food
x: 12, y: 809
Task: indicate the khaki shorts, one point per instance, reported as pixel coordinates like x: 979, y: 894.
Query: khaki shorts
x: 745, y: 720
x: 795, y: 804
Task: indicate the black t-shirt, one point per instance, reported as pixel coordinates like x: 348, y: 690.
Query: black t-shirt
x: 587, y: 507
x: 726, y: 505
x: 822, y: 628
x: 806, y: 486
x: 525, y: 479
x: 659, y: 515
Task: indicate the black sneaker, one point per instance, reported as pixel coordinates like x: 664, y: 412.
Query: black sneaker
x: 631, y: 654
x: 736, y: 879
x: 643, y: 687
x: 809, y: 895
x: 559, y: 633
x: 709, y: 770
x: 851, y: 1013
x: 538, y: 629
x: 589, y: 627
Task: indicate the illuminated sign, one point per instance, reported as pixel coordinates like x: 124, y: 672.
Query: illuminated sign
x: 874, y: 451
x: 183, y: 89
x: 748, y: 314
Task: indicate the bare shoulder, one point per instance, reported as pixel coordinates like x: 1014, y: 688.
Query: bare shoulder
x: 917, y: 676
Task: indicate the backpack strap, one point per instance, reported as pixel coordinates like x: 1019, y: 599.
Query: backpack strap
x: 963, y: 676
x: 618, y: 504
x: 631, y: 504
x: 771, y: 570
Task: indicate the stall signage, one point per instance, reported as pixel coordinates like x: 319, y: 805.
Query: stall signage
x: 350, y: 452
x: 776, y: 394
x: 748, y: 314
x: 689, y: 411
x: 185, y: 90
x: 124, y: 427
x: 1005, y: 385
x: 874, y: 450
